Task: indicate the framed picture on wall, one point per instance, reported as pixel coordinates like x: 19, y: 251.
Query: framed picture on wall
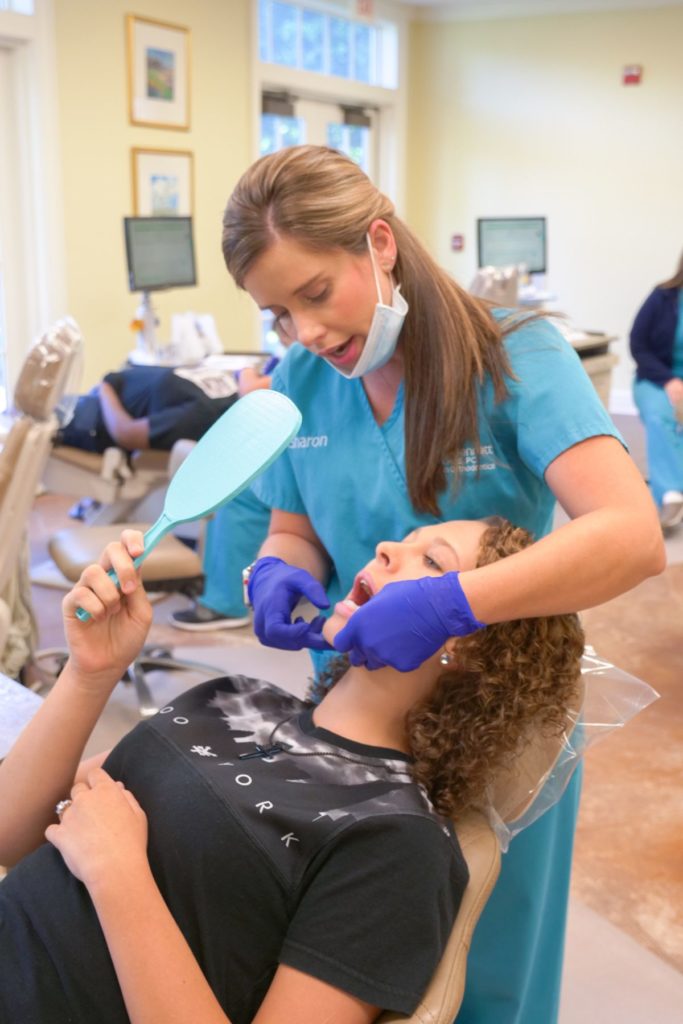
x: 158, y: 73
x: 162, y: 182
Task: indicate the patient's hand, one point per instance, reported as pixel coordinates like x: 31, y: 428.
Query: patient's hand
x: 120, y: 616
x: 103, y: 834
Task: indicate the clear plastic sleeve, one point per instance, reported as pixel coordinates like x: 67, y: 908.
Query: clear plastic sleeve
x: 539, y: 776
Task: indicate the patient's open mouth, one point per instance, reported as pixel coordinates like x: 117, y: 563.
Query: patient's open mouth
x: 362, y: 590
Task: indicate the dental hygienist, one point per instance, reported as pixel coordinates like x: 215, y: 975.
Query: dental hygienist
x: 420, y: 404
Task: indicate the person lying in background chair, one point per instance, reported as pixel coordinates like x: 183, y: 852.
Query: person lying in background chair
x: 246, y: 856
x: 144, y: 407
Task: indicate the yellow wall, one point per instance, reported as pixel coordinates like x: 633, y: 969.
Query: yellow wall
x: 96, y: 141
x: 529, y: 116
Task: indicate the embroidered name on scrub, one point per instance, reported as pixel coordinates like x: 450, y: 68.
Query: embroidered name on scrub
x: 313, y: 441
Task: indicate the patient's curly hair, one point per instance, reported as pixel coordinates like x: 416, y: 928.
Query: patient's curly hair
x: 505, y: 678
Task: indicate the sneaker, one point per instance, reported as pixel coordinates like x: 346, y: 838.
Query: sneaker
x: 671, y: 512
x: 200, y: 619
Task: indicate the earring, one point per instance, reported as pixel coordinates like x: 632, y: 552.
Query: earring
x: 446, y: 658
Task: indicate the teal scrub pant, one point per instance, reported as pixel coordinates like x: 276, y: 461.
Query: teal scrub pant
x: 664, y: 438
x: 514, y: 968
x: 233, y: 538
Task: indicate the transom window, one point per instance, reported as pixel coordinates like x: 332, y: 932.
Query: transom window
x: 310, y: 38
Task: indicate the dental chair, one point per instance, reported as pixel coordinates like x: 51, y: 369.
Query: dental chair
x: 514, y: 793
x: 49, y: 365
x: 118, y: 483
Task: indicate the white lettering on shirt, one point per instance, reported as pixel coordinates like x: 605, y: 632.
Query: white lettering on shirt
x: 469, y: 463
x: 313, y: 441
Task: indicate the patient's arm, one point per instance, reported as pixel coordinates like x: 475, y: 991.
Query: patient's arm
x: 40, y: 768
x: 131, y: 434
x: 159, y: 976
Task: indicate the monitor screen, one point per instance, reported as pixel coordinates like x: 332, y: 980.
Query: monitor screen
x: 509, y: 241
x: 160, y: 253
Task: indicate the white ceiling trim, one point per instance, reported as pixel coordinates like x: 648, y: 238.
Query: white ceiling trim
x: 482, y: 10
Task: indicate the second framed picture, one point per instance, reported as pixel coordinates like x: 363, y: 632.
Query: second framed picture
x: 162, y: 182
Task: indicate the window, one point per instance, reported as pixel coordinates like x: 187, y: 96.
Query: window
x: 18, y: 6
x: 312, y: 39
x: 280, y: 130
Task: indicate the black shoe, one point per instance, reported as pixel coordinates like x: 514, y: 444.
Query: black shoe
x: 200, y: 619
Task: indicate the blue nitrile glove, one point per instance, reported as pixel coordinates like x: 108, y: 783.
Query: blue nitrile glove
x: 275, y: 589
x: 407, y: 622
x: 270, y: 366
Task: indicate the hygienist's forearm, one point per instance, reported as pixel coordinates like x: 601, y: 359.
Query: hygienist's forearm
x: 297, y: 551
x: 39, y: 769
x: 158, y: 974
x: 586, y: 562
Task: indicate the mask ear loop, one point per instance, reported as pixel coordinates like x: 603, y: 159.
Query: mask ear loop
x: 374, y: 269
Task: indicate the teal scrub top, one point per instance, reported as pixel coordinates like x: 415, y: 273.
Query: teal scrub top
x: 347, y: 473
x: 677, y: 367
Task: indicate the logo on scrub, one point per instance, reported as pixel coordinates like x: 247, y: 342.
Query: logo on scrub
x: 468, y: 462
x: 313, y: 441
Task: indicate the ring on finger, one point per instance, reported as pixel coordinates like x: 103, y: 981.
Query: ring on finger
x: 62, y: 806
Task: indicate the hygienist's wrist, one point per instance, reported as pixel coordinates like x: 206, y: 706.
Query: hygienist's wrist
x: 466, y: 583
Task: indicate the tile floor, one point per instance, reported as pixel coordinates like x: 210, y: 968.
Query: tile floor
x: 625, y: 938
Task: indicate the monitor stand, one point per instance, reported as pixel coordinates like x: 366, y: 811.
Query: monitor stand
x: 147, y: 351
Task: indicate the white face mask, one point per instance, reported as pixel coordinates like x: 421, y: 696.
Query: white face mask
x: 382, y: 338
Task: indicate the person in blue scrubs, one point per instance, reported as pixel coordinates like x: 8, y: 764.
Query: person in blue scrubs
x: 421, y: 403
x: 234, y: 535
x: 657, y: 347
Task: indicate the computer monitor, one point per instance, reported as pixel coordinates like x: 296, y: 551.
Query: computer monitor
x: 159, y: 252
x: 511, y: 241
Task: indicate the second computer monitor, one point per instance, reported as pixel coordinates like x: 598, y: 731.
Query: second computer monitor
x: 512, y: 241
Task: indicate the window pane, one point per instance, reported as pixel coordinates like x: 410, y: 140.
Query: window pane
x: 313, y: 41
x: 340, y: 47
x: 284, y: 34
x: 335, y: 136
x: 263, y: 33
x: 362, y: 36
x: 354, y: 140
x: 18, y: 6
x: 278, y: 131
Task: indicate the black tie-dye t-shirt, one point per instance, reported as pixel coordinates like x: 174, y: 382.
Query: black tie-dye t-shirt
x: 272, y: 841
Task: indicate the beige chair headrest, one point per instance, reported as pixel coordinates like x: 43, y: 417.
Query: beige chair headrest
x: 47, y: 368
